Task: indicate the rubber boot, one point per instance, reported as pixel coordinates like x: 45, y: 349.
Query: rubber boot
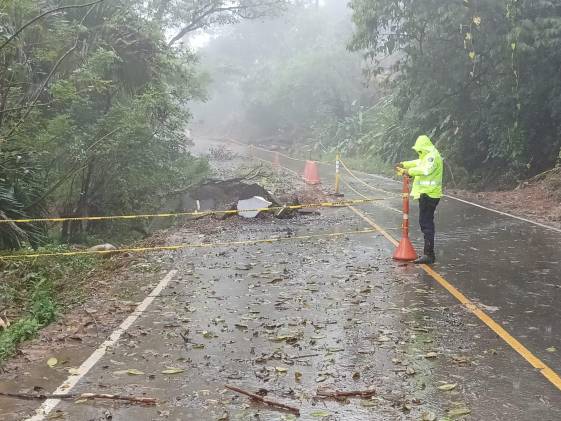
x: 428, y: 257
x: 425, y: 259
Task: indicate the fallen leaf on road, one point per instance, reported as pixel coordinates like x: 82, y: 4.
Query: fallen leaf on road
x: 320, y: 414
x: 457, y: 412
x: 551, y: 349
x: 297, y: 376
x: 428, y: 416
x: 448, y: 386
x: 171, y: 370
x: 431, y: 355
x: 458, y: 359
x: 367, y: 403
x: 51, y: 362
x: 288, y: 338
x: 74, y: 371
x: 134, y: 372
x: 281, y: 369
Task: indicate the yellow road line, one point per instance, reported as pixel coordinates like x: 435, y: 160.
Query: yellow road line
x: 534, y: 361
x: 184, y: 246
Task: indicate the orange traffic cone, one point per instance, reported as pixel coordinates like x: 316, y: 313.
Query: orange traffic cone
x: 405, y: 251
x: 311, y: 173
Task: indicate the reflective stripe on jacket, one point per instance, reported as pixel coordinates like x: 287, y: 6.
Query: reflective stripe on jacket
x: 427, y: 170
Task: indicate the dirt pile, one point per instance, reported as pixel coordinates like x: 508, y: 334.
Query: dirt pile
x: 538, y: 199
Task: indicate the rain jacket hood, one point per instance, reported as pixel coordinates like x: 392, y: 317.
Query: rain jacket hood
x: 423, y: 145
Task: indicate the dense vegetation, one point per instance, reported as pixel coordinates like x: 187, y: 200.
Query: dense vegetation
x: 482, y: 77
x: 93, y: 106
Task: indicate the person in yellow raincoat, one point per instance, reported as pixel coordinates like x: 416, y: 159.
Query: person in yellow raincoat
x: 427, y: 189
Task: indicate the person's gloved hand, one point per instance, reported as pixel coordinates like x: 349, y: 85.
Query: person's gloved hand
x: 400, y: 170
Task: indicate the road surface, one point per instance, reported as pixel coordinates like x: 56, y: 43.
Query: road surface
x: 291, y: 317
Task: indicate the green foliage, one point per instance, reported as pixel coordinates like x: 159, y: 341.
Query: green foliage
x: 36, y: 291
x: 478, y: 76
x: 42, y: 311
x: 93, y: 111
x: 20, y: 331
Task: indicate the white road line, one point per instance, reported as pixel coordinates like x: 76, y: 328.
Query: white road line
x: 50, y: 404
x: 505, y: 214
x: 467, y: 202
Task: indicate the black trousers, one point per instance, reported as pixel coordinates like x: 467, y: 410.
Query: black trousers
x: 427, y: 207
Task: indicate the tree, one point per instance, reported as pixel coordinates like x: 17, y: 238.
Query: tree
x: 92, y: 113
x: 473, y: 74
x: 190, y: 15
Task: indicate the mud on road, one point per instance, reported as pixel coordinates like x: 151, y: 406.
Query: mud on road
x: 286, y: 319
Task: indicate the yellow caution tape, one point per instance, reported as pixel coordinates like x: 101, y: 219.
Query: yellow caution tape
x: 342, y: 203
x: 183, y: 246
x: 360, y: 194
x: 365, y: 183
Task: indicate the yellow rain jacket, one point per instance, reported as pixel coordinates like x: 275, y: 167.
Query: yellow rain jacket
x: 427, y: 170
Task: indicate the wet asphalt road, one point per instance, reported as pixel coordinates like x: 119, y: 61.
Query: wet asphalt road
x: 507, y: 266
x: 292, y: 317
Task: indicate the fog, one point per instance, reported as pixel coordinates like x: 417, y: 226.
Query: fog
x: 286, y: 80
